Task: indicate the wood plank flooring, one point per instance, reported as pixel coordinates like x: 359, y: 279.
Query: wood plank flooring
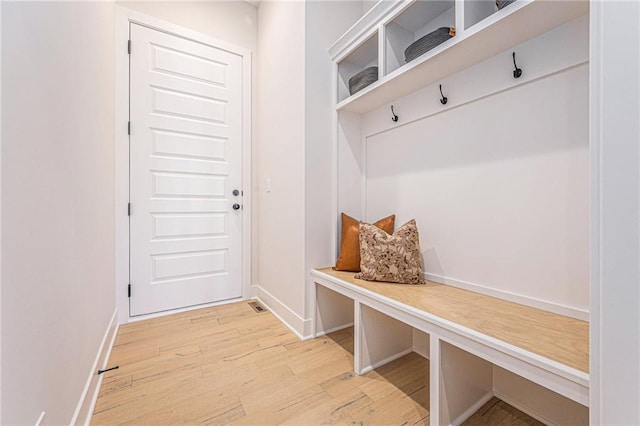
x: 499, y: 413
x: 231, y: 365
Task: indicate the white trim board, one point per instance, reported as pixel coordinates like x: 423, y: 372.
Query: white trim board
x: 0, y: 214
x: 515, y: 404
x: 556, y: 308
x: 123, y: 19
x: 615, y: 208
x: 299, y: 326
x: 89, y: 396
x: 368, y: 368
x: 333, y: 330
x: 472, y: 410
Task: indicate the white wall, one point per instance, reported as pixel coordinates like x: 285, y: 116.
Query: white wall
x: 615, y: 224
x: 281, y: 149
x: 498, y: 179
x: 325, y: 22
x: 295, y: 151
x: 57, y: 203
x: 232, y: 21
x: 0, y: 214
x: 367, y: 5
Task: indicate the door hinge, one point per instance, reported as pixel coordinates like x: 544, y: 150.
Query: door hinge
x: 128, y: 127
x: 129, y: 290
x: 128, y: 209
x: 129, y: 47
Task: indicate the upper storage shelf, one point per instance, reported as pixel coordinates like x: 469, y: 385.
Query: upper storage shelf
x: 380, y: 37
x: 359, y: 59
x: 413, y: 23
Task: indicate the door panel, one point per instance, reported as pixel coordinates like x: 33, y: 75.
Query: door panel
x: 185, y: 161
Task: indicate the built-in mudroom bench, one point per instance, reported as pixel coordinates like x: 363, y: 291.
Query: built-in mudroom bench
x: 478, y: 346
x: 471, y: 117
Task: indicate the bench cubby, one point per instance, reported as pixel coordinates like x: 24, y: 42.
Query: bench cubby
x: 334, y: 311
x: 463, y: 385
x: 379, y: 340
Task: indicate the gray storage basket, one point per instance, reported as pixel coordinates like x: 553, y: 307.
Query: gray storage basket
x: 428, y: 42
x: 363, y: 79
x: 502, y: 3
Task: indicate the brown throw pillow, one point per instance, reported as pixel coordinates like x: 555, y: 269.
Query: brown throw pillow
x: 349, y: 259
x: 393, y: 258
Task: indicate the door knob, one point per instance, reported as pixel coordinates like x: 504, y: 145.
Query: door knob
x: 236, y: 206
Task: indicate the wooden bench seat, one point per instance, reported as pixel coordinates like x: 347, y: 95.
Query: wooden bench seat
x: 553, y: 336
x: 546, y: 348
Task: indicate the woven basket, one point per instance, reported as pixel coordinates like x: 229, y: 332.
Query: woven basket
x: 363, y: 79
x: 502, y: 3
x: 428, y: 42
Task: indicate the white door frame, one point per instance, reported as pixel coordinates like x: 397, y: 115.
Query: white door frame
x: 123, y: 18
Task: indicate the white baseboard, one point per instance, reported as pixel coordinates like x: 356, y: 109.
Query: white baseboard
x: 298, y: 325
x: 545, y: 305
x: 471, y: 410
x: 87, y: 402
x: 387, y: 360
x: 334, y: 329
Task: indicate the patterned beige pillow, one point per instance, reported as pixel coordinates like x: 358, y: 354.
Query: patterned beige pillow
x: 392, y: 258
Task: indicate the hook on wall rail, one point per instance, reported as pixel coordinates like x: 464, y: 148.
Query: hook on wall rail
x: 517, y: 72
x: 395, y: 116
x: 444, y: 99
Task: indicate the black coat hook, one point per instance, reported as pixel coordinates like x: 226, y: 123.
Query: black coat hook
x: 444, y: 99
x: 517, y: 72
x: 395, y: 117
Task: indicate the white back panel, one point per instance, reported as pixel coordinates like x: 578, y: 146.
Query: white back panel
x: 499, y: 188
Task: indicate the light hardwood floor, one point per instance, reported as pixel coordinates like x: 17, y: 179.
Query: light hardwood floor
x: 499, y: 413
x: 231, y: 365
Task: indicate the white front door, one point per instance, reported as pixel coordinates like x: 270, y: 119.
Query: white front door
x: 185, y: 169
